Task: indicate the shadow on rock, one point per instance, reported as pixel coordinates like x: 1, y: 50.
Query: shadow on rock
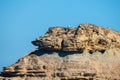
x: 40, y: 52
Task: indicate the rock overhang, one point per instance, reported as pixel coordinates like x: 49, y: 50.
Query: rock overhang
x: 85, y: 36
x: 63, y: 54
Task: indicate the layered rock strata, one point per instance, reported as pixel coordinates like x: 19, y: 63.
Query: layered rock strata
x: 88, y: 52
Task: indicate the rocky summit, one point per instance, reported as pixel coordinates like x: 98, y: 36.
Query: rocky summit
x: 87, y: 52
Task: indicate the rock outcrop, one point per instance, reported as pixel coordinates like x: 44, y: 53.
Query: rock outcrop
x: 88, y: 52
x: 85, y: 36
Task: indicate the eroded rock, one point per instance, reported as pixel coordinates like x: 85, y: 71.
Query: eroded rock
x: 85, y: 36
x: 88, y: 52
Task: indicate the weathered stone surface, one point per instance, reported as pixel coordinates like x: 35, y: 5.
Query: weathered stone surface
x: 85, y: 36
x: 87, y: 52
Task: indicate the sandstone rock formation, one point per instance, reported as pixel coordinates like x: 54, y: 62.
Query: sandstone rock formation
x: 88, y: 52
x: 85, y: 36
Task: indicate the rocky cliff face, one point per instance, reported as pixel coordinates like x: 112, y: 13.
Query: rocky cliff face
x: 88, y: 52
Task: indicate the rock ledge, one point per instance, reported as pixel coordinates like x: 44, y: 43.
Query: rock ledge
x: 88, y: 52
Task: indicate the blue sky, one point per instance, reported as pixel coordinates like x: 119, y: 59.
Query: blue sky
x: 21, y: 21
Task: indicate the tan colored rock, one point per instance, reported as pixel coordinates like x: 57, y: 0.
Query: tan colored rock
x: 85, y: 36
x: 87, y: 52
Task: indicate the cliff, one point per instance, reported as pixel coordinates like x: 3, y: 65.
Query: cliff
x: 88, y: 52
